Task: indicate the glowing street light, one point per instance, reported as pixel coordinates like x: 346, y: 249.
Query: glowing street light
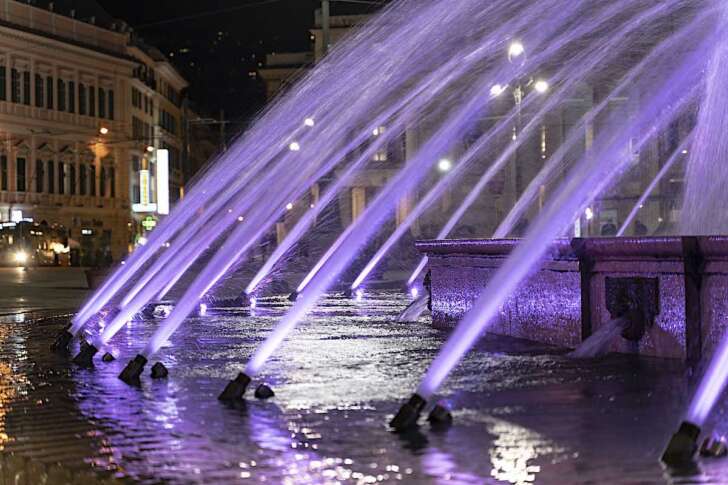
x: 150, y: 148
x: 541, y: 86
x: 516, y: 49
x: 444, y: 165
x: 497, y: 90
x: 294, y: 147
x: 589, y: 213
x: 104, y: 130
x: 289, y: 206
x: 309, y: 122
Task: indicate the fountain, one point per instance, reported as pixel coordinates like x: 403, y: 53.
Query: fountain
x: 634, y: 295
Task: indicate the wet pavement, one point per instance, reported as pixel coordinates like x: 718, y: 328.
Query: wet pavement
x: 524, y: 413
x: 43, y: 288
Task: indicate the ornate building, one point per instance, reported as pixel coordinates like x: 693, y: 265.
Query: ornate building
x: 84, y: 108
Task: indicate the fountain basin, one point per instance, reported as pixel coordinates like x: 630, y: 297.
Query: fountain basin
x: 671, y: 288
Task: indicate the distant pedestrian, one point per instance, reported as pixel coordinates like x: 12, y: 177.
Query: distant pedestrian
x: 427, y: 284
x: 639, y: 228
x: 609, y: 229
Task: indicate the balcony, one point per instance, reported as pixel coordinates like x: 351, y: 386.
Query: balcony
x: 53, y: 25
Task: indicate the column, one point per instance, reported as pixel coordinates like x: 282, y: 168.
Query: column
x: 358, y: 202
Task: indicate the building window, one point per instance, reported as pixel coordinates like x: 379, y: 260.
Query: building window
x: 111, y: 104
x: 82, y: 180
x: 15, y: 85
x: 81, y: 99
x: 112, y: 182
x: 61, y: 178
x: 39, y: 101
x: 20, y: 174
x: 71, y: 97
x: 51, y: 176
x: 92, y: 179
x: 136, y: 98
x: 49, y: 92
x: 61, y: 95
x: 26, y: 88
x: 39, y: 176
x: 102, y: 103
x: 72, y: 179
x: 3, y: 172
x: 3, y: 83
x: 102, y: 182
x: 91, y: 101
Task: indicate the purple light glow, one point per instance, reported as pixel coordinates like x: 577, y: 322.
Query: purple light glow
x: 586, y: 180
x: 677, y: 155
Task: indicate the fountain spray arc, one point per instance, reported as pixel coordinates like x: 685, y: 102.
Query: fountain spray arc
x: 408, y: 106
x: 355, y: 236
x: 213, y: 185
x: 434, y: 84
x: 278, y: 123
x: 588, y: 178
x: 355, y: 103
x: 565, y: 79
x: 557, y: 159
x: 707, y: 176
x: 678, y: 154
x: 584, y: 29
x: 215, y: 269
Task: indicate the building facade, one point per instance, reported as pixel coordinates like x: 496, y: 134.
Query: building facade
x: 610, y: 209
x: 74, y: 132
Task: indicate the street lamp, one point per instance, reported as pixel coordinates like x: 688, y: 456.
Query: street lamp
x: 516, y: 49
x: 541, y: 86
x: 496, y: 90
x: 104, y: 130
x: 444, y: 165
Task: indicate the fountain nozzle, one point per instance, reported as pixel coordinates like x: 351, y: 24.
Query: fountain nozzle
x: 85, y: 358
x: 263, y: 391
x: 62, y: 341
x: 133, y: 370
x: 408, y: 414
x: 440, y: 416
x: 235, y: 388
x: 681, y: 449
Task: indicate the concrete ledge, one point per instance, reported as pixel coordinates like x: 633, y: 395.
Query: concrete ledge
x: 567, y: 298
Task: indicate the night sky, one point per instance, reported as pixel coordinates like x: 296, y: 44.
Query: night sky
x: 218, y: 44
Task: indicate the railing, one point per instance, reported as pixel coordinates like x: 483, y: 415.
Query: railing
x: 25, y: 111
x: 40, y: 20
x: 61, y: 200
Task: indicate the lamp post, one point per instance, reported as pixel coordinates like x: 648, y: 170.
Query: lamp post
x: 326, y: 25
x: 517, y: 53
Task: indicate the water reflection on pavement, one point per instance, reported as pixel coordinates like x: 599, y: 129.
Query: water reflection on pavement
x: 523, y: 412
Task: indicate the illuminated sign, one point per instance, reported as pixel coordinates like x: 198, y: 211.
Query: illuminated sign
x: 144, y: 207
x: 144, y: 187
x: 145, y: 204
x: 16, y: 215
x: 163, y: 181
x: 149, y: 223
